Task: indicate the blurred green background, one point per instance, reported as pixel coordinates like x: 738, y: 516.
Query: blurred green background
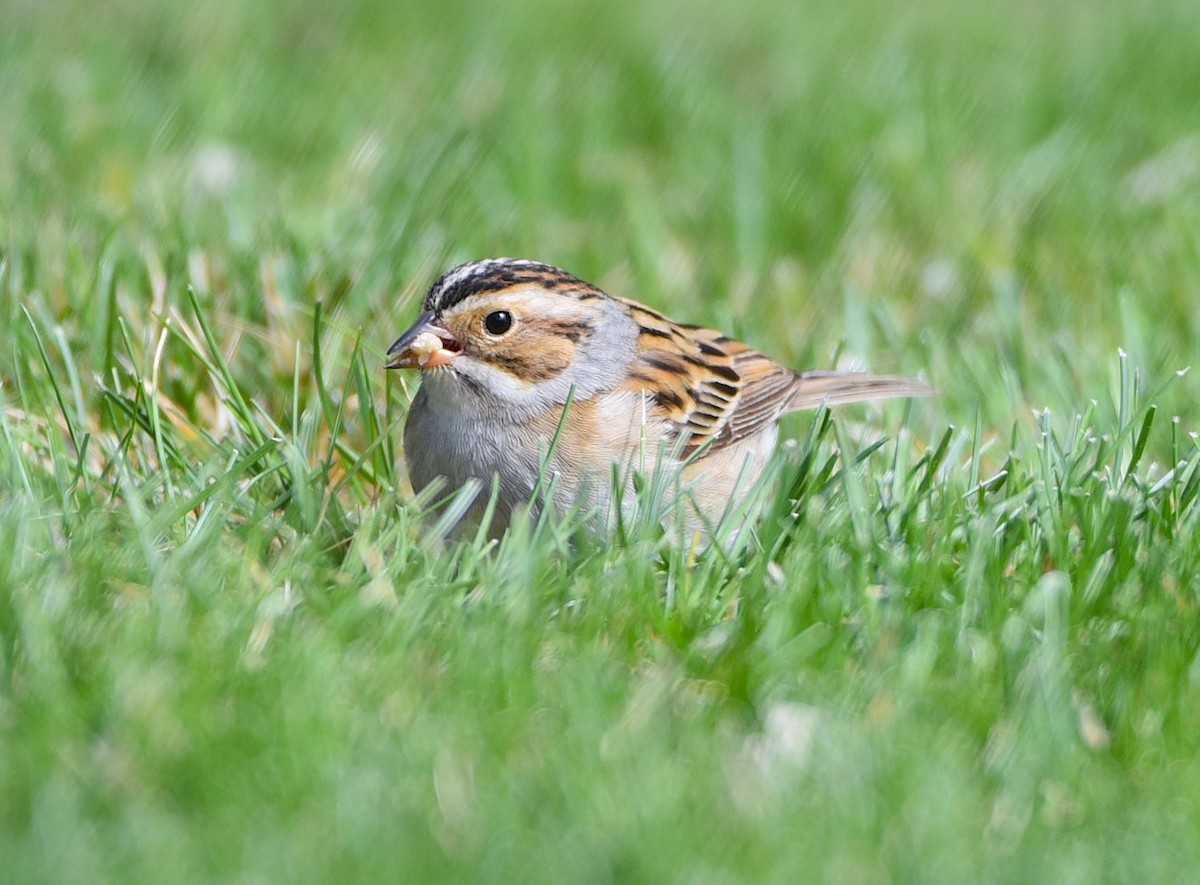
x: 968, y: 190
x: 994, y: 196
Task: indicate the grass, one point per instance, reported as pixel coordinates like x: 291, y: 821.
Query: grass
x: 963, y: 643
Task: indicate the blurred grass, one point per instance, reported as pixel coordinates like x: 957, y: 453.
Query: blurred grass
x: 229, y: 647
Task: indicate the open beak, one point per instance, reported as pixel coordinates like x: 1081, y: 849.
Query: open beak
x: 424, y: 346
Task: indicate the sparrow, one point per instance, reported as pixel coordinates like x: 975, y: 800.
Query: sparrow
x: 542, y: 389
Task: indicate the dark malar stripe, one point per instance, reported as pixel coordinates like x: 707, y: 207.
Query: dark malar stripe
x: 527, y: 369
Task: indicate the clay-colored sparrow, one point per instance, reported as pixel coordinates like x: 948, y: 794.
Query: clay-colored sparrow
x: 505, y: 345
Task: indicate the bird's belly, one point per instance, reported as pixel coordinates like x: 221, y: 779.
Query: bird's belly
x: 723, y: 483
x: 608, y: 463
x: 453, y: 447
x: 528, y: 464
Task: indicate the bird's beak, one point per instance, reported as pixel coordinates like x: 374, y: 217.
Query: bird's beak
x: 424, y: 346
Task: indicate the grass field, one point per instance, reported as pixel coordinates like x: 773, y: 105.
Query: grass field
x: 964, y: 643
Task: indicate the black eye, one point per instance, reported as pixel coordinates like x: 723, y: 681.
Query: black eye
x: 498, y: 322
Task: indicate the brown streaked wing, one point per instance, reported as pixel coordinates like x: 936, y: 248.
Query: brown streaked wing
x: 767, y: 392
x: 715, y: 390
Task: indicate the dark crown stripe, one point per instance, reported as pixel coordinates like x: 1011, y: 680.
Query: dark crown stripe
x: 492, y: 275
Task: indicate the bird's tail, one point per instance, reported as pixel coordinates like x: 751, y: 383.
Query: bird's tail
x: 837, y: 388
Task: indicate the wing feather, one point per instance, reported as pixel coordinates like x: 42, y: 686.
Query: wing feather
x: 717, y: 391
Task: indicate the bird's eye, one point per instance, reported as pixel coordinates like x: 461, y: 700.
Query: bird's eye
x: 498, y: 322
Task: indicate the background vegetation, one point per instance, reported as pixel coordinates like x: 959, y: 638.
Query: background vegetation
x: 963, y: 644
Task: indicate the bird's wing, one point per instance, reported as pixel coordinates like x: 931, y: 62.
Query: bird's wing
x: 715, y: 390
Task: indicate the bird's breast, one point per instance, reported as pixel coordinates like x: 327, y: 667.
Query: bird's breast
x: 570, y: 457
